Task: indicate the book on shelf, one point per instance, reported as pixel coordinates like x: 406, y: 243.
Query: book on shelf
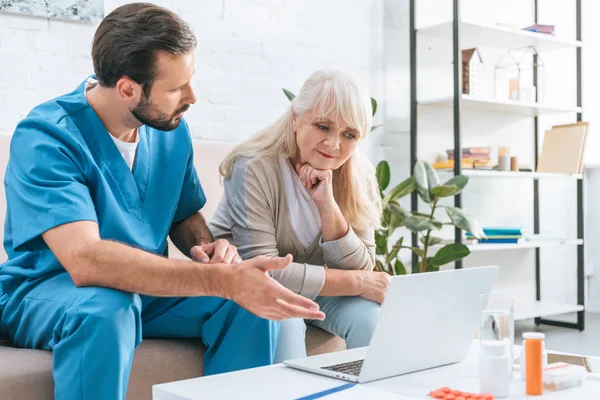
x: 472, y: 150
x: 563, y: 149
x: 507, y: 240
x: 540, y: 28
x: 501, y: 231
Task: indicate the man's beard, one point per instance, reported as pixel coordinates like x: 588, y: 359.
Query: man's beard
x: 146, y: 112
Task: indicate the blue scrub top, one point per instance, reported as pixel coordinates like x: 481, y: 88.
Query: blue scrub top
x: 64, y: 167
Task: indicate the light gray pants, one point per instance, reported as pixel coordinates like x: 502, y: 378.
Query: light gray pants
x: 352, y: 318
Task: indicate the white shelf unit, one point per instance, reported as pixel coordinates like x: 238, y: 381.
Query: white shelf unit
x: 477, y: 247
x: 512, y: 107
x: 498, y: 36
x: 466, y: 35
x: 540, y: 309
x: 481, y: 173
x: 523, y: 245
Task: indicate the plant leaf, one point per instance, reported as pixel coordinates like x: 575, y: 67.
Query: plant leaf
x: 429, y: 267
x: 395, y: 250
x: 374, y: 105
x: 464, y: 221
x: 397, y: 218
x: 416, y: 223
x: 444, y: 190
x: 289, y: 94
x: 432, y: 240
x: 381, y: 244
x: 433, y: 179
x: 383, y: 174
x: 400, y: 190
x: 418, y: 251
x: 450, y: 253
x: 420, y: 175
x: 460, y: 181
x: 375, y: 127
x: 399, y: 267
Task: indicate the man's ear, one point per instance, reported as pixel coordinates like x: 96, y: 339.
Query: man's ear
x: 129, y: 89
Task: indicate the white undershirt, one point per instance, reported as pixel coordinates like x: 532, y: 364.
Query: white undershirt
x: 127, y: 149
x: 303, y: 211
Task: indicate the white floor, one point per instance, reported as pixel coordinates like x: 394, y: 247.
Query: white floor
x: 567, y: 340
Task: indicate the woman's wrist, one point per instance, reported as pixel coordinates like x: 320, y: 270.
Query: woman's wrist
x: 340, y: 282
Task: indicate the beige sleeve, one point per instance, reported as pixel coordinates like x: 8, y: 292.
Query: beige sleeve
x: 253, y: 229
x: 356, y: 250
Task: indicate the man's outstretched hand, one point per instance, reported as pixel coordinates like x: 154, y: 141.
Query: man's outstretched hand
x: 251, y: 287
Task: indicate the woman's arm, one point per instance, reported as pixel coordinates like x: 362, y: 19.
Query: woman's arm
x: 342, y: 247
x: 253, y: 229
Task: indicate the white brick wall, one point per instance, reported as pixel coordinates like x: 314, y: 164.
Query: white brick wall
x: 249, y: 49
x: 39, y: 59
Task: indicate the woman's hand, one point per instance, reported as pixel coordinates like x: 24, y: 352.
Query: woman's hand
x: 318, y: 183
x: 373, y: 285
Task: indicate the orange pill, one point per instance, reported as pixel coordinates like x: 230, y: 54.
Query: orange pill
x: 438, y: 394
x: 450, y: 396
x: 460, y: 398
x: 445, y: 389
x: 456, y: 392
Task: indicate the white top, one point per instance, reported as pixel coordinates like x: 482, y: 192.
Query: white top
x: 303, y: 211
x: 127, y: 149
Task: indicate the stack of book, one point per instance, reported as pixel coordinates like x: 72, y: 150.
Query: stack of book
x: 499, y: 235
x: 472, y: 158
x: 540, y: 28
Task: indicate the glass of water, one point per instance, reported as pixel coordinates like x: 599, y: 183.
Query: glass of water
x: 497, y: 321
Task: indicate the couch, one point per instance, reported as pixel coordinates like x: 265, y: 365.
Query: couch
x: 27, y: 374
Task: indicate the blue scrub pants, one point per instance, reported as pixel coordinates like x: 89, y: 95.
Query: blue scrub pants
x: 94, y: 331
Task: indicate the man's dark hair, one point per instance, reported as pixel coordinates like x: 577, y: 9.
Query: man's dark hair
x: 128, y: 39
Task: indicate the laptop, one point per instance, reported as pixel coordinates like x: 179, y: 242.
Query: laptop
x: 427, y: 320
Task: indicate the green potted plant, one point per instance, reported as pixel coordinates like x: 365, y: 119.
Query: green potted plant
x: 427, y: 184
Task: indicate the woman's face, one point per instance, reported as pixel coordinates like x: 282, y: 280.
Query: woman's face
x: 324, y: 143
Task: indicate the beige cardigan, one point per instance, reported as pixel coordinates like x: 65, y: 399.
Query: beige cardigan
x: 254, y: 216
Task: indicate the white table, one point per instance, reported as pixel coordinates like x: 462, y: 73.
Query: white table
x: 281, y: 382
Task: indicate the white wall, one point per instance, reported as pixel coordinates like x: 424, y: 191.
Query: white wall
x: 249, y: 49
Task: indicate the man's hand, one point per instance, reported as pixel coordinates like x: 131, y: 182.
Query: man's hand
x: 251, y: 287
x: 219, y: 251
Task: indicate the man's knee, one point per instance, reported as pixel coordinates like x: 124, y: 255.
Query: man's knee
x: 108, y: 310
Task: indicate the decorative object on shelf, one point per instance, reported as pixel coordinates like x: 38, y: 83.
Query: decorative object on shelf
x: 563, y: 149
x: 540, y: 28
x: 73, y: 10
x: 427, y: 184
x: 513, y: 72
x: 504, y: 158
x: 471, y: 72
x: 514, y: 164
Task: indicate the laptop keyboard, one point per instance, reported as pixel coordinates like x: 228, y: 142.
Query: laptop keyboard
x: 349, y: 368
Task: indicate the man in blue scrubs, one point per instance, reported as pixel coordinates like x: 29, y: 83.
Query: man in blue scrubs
x: 97, y: 180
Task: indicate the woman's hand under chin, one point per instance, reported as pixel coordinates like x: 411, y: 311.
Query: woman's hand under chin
x: 318, y: 183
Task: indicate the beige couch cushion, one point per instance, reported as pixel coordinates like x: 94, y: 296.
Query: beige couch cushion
x: 27, y: 374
